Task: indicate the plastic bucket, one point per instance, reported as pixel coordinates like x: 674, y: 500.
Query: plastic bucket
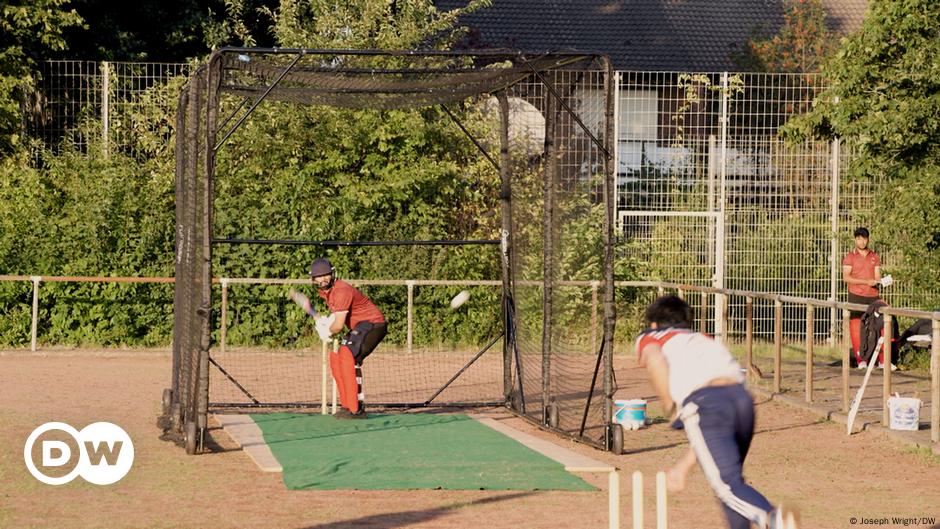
x: 904, y: 413
x: 631, y: 414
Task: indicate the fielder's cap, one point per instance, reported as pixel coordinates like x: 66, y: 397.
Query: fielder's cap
x: 320, y: 267
x: 861, y: 231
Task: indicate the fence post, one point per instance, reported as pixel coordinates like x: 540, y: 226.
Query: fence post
x: 703, y: 320
x: 720, y: 233
x: 594, y: 285
x: 725, y: 326
x: 810, y: 331
x: 35, y: 320
x: 846, y: 345
x: 105, y: 106
x: 411, y: 299
x: 224, y: 282
x: 778, y: 343
x: 935, y: 383
x: 886, y: 348
x: 834, y: 263
x: 749, y: 336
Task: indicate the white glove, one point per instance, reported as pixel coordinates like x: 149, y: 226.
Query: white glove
x: 323, y: 324
x: 887, y: 281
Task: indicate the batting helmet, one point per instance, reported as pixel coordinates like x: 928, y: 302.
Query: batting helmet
x: 322, y: 267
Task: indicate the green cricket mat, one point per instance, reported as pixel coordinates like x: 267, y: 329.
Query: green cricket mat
x: 406, y: 451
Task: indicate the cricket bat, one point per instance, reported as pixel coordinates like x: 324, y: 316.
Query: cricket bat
x: 303, y: 302
x: 853, y: 411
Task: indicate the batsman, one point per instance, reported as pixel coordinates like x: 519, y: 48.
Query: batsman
x: 349, y: 308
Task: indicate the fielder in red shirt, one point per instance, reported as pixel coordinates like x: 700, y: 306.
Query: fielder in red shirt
x: 349, y: 308
x: 861, y: 271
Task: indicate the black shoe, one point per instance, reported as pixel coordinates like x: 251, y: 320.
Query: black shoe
x: 343, y: 413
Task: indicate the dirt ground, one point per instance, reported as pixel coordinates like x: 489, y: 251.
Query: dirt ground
x: 832, y: 478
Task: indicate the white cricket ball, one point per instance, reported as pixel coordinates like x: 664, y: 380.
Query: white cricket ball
x: 459, y: 299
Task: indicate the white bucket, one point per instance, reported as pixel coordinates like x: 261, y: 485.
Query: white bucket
x: 630, y: 414
x: 904, y: 413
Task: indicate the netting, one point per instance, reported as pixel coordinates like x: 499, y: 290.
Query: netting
x: 114, y: 107
x: 388, y: 81
x: 182, y: 414
x: 556, y: 346
x: 413, y: 366
x: 559, y: 221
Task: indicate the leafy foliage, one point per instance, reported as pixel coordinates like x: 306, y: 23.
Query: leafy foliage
x: 87, y: 216
x: 290, y: 172
x: 801, y: 44
x: 29, y: 31
x: 367, y: 24
x: 884, y: 99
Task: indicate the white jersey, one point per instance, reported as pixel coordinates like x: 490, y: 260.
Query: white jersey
x: 694, y: 359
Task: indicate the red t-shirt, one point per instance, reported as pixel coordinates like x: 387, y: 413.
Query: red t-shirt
x: 863, y: 267
x: 345, y: 297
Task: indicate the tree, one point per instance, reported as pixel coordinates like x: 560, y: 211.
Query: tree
x: 367, y: 24
x: 29, y: 31
x: 884, y: 100
x: 165, y: 30
x: 800, y: 45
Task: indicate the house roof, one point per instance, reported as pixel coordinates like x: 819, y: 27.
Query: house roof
x: 681, y: 35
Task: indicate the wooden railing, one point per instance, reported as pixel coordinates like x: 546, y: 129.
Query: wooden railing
x: 723, y: 297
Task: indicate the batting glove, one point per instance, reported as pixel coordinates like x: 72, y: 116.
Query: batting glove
x: 323, y: 324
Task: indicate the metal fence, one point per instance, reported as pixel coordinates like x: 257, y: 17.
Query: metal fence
x: 125, y: 107
x: 829, y: 387
x: 707, y: 193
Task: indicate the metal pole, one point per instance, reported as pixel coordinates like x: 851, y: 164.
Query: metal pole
x: 778, y: 344
x: 594, y: 285
x: 703, y: 319
x: 713, y: 161
x: 618, y: 82
x: 411, y: 301
x: 224, y: 327
x: 723, y: 173
x: 725, y: 327
x: 749, y: 336
x: 506, y: 249
x: 886, y: 387
x: 610, y: 188
x: 35, y: 322
x: 834, y: 262
x: 846, y: 345
x: 105, y: 107
x: 935, y: 383
x: 810, y: 326
x: 548, y: 245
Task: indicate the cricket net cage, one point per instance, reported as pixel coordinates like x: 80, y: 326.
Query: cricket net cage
x: 554, y: 157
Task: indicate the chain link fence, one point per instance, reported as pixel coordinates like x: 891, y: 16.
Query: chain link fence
x: 707, y: 192
x: 115, y: 107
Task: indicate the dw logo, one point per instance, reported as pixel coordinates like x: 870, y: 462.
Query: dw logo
x: 104, y: 452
